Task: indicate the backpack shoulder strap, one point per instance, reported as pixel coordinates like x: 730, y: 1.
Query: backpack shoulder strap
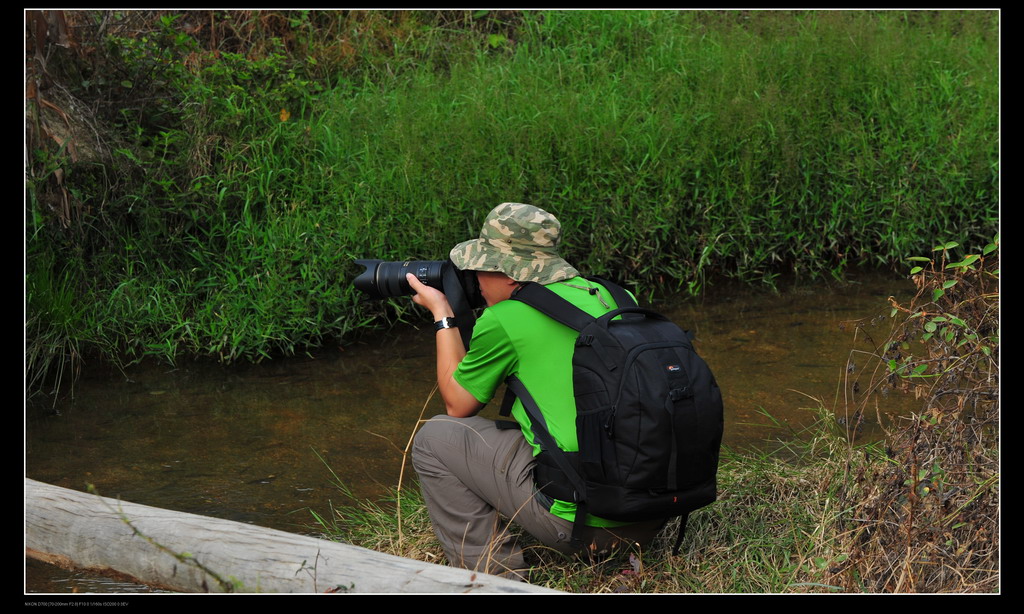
x: 550, y: 304
x: 559, y: 309
x: 539, y: 426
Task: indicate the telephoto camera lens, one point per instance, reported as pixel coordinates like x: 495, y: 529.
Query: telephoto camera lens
x: 387, y: 279
x: 383, y: 280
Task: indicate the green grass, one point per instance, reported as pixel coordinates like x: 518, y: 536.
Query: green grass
x: 677, y: 148
x: 57, y: 325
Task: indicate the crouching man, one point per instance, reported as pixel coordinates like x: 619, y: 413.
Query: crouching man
x: 473, y: 474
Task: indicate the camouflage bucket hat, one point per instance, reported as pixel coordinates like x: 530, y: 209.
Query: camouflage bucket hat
x: 518, y: 240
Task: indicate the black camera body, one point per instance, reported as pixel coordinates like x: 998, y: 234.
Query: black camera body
x: 383, y: 280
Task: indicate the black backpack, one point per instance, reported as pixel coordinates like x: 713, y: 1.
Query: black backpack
x: 648, y: 415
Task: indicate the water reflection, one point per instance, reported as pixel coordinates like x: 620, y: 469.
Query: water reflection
x: 784, y: 355
x: 258, y: 443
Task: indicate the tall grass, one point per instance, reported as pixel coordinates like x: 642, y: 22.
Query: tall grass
x: 677, y: 147
x: 56, y: 325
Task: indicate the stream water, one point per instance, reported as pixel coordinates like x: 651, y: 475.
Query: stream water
x: 261, y: 443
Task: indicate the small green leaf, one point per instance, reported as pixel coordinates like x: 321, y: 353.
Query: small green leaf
x: 946, y: 285
x: 958, y: 321
x: 128, y: 154
x: 916, y: 270
x: 968, y: 261
x: 920, y: 258
x: 919, y: 369
x: 930, y: 327
x: 937, y: 294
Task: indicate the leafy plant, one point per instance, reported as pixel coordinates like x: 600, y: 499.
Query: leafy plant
x: 925, y: 517
x: 956, y: 315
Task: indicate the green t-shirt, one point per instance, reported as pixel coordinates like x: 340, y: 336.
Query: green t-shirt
x: 514, y: 338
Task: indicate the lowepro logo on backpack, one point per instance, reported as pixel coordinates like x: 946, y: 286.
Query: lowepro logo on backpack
x: 649, y: 416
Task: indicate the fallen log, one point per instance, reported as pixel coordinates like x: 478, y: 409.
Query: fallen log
x: 191, y: 553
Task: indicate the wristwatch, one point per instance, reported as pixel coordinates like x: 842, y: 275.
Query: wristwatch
x: 443, y: 323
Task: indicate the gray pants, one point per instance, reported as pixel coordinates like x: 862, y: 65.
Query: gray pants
x: 473, y: 475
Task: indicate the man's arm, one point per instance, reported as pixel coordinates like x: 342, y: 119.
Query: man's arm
x: 459, y: 403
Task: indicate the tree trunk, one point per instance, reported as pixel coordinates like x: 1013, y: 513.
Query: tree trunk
x: 192, y: 553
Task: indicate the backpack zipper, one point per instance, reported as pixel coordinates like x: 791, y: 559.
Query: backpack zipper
x: 609, y: 426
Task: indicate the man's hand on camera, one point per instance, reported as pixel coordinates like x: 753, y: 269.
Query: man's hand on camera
x: 431, y: 298
x: 458, y: 401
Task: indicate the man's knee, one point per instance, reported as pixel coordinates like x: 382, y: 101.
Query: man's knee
x: 431, y: 431
x: 440, y: 437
